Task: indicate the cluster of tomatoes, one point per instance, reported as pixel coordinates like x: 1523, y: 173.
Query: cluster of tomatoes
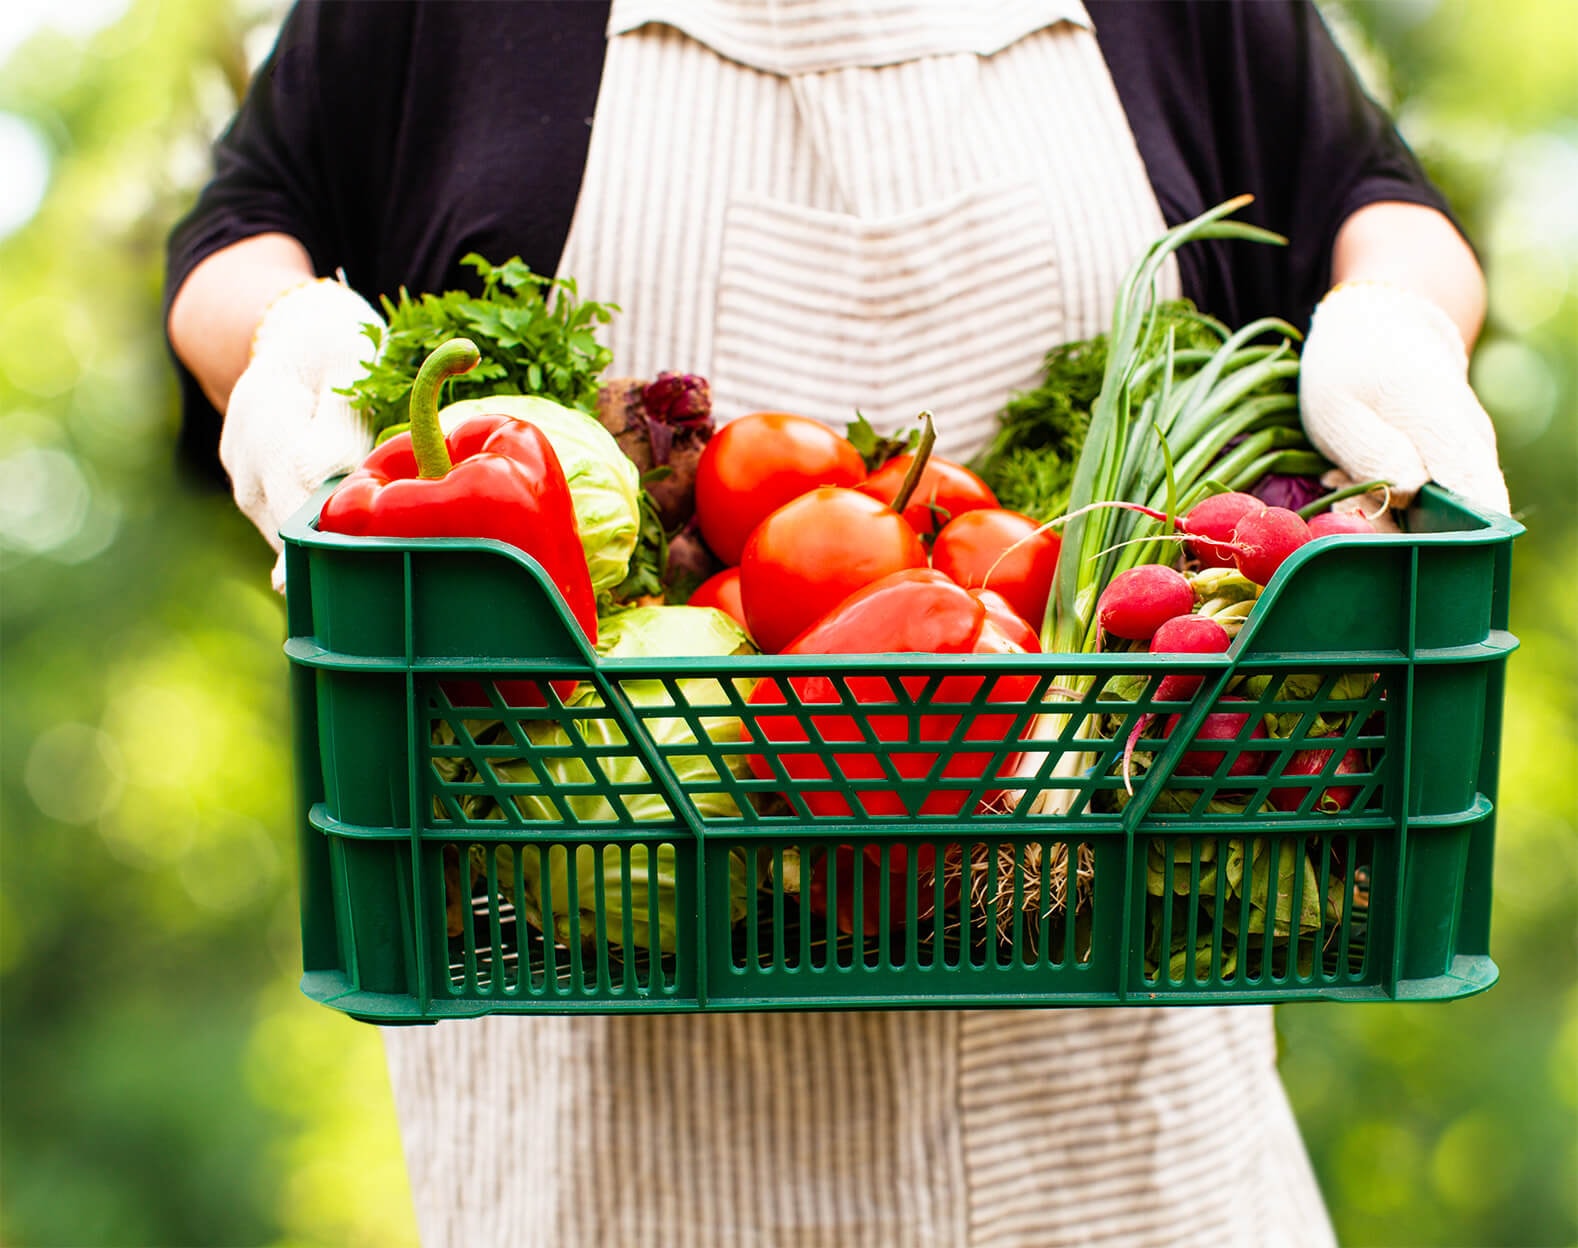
x: 801, y: 523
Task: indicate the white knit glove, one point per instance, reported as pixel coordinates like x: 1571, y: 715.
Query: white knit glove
x: 286, y: 431
x: 1383, y: 387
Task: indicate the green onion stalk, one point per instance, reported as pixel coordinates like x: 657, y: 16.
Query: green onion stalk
x: 1159, y: 436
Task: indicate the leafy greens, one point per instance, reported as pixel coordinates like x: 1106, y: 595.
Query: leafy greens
x: 1030, y: 462
x: 536, y: 335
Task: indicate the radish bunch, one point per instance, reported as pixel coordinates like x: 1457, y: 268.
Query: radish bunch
x: 1179, y: 613
x: 1230, y: 530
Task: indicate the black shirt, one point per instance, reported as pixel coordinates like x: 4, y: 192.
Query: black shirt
x: 392, y: 139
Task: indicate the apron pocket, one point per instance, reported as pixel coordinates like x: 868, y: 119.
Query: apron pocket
x: 825, y: 314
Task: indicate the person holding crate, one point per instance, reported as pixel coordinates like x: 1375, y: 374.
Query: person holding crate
x: 757, y: 184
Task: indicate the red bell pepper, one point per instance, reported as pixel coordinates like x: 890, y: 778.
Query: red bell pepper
x: 918, y: 611
x: 494, y: 477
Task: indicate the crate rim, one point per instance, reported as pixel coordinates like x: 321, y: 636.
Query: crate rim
x: 1489, y: 528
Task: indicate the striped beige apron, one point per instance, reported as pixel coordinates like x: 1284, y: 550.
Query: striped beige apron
x: 827, y: 206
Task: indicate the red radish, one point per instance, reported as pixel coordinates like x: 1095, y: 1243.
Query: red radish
x: 1329, y: 522
x: 1183, y: 634
x: 1329, y: 800
x: 1264, y: 538
x: 1187, y: 634
x: 1219, y: 726
x: 1226, y: 531
x: 1139, y: 601
x: 1213, y: 519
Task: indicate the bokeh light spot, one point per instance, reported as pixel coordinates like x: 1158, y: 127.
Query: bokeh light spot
x: 149, y: 829
x: 1564, y: 1059
x: 1516, y: 385
x: 25, y: 159
x: 1525, y: 291
x: 74, y: 773
x: 1474, y: 1163
x: 45, y: 343
x: 231, y: 866
x: 1379, y: 1166
x: 44, y: 499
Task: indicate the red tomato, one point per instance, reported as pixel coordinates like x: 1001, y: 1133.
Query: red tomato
x: 812, y: 553
x: 756, y: 464
x: 970, y: 546
x: 1010, y: 623
x: 945, y: 490
x: 722, y: 591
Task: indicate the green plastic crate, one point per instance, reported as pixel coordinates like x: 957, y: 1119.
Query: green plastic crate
x: 450, y: 843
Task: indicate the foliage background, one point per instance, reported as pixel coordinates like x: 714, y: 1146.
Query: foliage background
x: 162, y: 1081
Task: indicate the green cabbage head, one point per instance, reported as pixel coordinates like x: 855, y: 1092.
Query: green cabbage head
x: 670, y: 631
x: 605, y: 486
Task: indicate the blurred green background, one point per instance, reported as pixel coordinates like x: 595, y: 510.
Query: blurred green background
x: 164, y: 1082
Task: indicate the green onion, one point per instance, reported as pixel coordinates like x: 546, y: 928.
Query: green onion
x: 1159, y: 434
x: 1159, y: 427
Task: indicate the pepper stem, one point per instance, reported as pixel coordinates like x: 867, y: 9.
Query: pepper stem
x: 912, y: 478
x: 458, y: 355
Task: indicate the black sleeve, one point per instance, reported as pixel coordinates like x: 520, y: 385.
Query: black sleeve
x: 392, y: 139
x: 272, y: 166
x: 1232, y: 97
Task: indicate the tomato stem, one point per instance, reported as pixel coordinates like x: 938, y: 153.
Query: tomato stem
x: 912, y: 478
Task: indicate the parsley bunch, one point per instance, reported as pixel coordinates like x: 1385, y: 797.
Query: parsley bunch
x: 535, y: 334
x: 1030, y: 463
